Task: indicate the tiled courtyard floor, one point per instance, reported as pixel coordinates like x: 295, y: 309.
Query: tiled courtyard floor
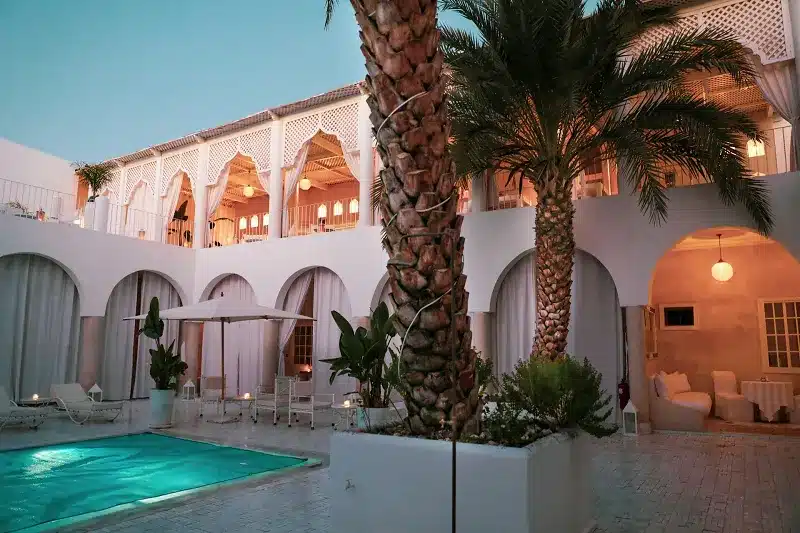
x: 675, y: 483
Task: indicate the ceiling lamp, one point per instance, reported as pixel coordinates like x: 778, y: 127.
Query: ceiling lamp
x: 305, y: 183
x: 721, y: 271
x: 254, y: 221
x: 266, y: 219
x: 338, y: 209
x: 354, y: 206
x: 755, y: 149
x: 248, y: 191
x: 322, y: 211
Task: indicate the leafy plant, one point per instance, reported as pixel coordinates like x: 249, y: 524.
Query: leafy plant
x: 14, y: 204
x: 180, y: 213
x: 165, y: 366
x: 362, y: 356
x: 93, y: 176
x: 560, y: 395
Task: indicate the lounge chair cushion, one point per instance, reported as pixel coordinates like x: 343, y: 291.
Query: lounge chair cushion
x: 698, y: 401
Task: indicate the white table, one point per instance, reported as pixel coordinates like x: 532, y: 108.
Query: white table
x: 769, y: 396
x: 345, y: 414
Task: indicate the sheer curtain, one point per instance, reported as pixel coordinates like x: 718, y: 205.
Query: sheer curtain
x: 136, y: 215
x: 330, y: 294
x: 116, y: 365
x: 352, y: 160
x: 263, y: 179
x: 292, y: 177
x: 169, y: 203
x: 244, y: 342
x: 778, y: 84
x: 40, y: 326
x: 515, y: 316
x: 596, y: 322
x: 293, y: 302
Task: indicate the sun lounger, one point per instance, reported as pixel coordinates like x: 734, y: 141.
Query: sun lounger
x: 11, y: 413
x: 80, y: 407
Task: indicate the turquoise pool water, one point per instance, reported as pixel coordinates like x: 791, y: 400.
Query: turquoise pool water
x: 41, y: 488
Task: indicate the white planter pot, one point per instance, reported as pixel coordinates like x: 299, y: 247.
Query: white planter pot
x: 161, y: 404
x: 543, y: 488
x: 88, y: 215
x: 375, y: 417
x: 101, y: 207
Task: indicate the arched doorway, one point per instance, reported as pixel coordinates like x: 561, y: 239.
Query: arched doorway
x: 244, y: 342
x: 749, y: 324
x: 40, y: 329
x: 314, y: 293
x: 595, y: 324
x: 321, y: 191
x: 124, y: 369
x: 176, y: 209
x: 238, y: 204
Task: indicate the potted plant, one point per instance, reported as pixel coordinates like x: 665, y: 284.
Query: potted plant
x: 165, y: 368
x: 95, y: 177
x: 362, y: 356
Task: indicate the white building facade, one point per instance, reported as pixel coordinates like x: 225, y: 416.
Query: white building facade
x: 277, y: 210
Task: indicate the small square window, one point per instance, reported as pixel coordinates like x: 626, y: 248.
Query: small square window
x: 678, y: 317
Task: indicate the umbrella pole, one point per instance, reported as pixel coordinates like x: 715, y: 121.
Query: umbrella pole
x: 222, y: 322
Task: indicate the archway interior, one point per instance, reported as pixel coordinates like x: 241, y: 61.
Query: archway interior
x: 177, y: 210
x: 303, y: 343
x: 323, y: 196
x: 242, y: 214
x: 595, y: 324
x: 124, y: 366
x: 39, y: 332
x: 748, y: 325
x: 244, y: 342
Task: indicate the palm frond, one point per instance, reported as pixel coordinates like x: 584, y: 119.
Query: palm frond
x: 330, y: 7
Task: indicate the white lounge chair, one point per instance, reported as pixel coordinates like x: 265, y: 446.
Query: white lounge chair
x: 79, y: 406
x: 728, y: 403
x: 275, y: 401
x: 305, y: 401
x: 11, y: 413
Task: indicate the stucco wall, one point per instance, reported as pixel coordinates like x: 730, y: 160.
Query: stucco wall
x: 27, y: 165
x: 727, y: 334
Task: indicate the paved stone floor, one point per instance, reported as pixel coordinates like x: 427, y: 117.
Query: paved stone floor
x: 661, y: 483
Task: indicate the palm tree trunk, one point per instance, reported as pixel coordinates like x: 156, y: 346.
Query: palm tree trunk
x: 408, y: 105
x: 555, y: 249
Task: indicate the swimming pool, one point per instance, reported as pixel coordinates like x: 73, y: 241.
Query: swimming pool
x: 51, y: 486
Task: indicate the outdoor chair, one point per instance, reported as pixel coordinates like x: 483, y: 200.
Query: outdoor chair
x: 275, y: 401
x: 210, y: 391
x: 728, y: 403
x: 81, y: 407
x: 11, y: 413
x: 305, y: 401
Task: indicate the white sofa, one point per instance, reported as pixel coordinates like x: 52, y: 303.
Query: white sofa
x: 728, y: 403
x: 673, y: 404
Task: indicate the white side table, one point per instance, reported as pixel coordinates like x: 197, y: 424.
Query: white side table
x: 345, y: 414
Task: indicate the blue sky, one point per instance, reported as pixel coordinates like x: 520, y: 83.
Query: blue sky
x: 93, y: 79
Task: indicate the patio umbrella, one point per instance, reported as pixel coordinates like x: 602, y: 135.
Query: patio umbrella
x: 223, y: 310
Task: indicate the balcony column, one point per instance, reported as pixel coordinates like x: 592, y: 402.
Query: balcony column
x: 366, y: 165
x: 478, y: 193
x: 275, y: 180
x: 200, y: 192
x: 91, y: 344
x: 637, y: 378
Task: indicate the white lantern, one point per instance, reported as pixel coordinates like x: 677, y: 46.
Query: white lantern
x: 722, y: 270
x: 188, y: 392
x: 96, y: 393
x: 630, y: 419
x: 305, y: 183
x: 248, y: 191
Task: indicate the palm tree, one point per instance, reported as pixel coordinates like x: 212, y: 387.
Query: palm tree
x: 93, y: 176
x: 540, y: 88
x: 422, y: 232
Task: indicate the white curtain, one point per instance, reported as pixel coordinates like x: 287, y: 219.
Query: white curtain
x: 330, y: 294
x: 596, y: 322
x: 779, y: 85
x: 295, y: 297
x: 244, y: 342
x: 40, y: 326
x: 292, y: 177
x: 263, y: 179
x: 515, y: 316
x: 169, y: 203
x: 154, y: 285
x: 136, y: 215
x: 352, y: 160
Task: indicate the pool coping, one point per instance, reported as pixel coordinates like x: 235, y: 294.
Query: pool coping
x: 121, y: 512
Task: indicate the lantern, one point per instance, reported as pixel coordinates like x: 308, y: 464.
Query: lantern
x: 630, y: 419
x: 188, y: 392
x: 248, y: 191
x: 96, y: 393
x: 305, y: 183
x: 722, y: 270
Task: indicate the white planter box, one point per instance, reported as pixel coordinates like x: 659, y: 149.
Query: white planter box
x: 402, y: 485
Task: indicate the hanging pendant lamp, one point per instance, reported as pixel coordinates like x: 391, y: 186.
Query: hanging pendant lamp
x: 722, y: 270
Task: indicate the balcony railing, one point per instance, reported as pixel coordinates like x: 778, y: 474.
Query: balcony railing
x: 144, y: 225
x: 325, y: 217
x: 36, y: 203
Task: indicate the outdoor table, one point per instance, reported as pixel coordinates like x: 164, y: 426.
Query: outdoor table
x: 769, y: 396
